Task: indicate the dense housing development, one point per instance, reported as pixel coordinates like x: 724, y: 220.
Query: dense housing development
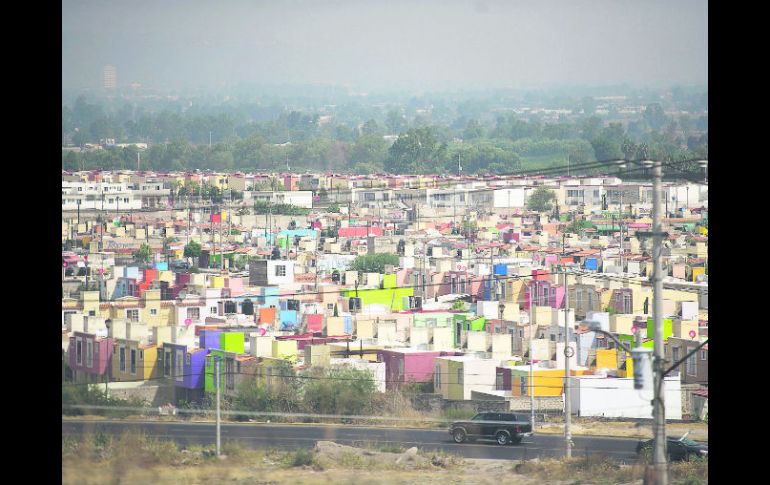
x: 454, y: 283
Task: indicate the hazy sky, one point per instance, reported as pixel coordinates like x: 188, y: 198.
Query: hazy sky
x: 370, y: 45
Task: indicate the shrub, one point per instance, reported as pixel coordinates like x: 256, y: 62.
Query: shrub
x: 301, y: 457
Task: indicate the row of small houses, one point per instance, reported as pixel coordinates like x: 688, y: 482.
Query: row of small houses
x: 178, y: 364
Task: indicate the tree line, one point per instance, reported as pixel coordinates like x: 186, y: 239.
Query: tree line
x: 297, y: 141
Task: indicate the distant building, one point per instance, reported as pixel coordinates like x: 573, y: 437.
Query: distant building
x: 109, y: 77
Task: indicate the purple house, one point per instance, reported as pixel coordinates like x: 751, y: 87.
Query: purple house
x: 209, y: 339
x: 407, y: 365
x: 185, y: 368
x: 90, y: 357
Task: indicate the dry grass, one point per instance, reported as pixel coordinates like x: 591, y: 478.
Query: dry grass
x: 595, y: 427
x: 134, y: 458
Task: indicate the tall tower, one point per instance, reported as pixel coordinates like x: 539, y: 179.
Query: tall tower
x: 110, y: 77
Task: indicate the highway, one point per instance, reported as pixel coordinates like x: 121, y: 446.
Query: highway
x: 293, y: 436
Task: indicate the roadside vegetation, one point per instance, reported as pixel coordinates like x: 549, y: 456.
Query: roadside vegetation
x: 137, y: 458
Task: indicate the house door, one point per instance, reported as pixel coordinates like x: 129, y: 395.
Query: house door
x: 458, y: 331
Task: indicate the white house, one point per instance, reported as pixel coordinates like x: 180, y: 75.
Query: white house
x: 270, y: 272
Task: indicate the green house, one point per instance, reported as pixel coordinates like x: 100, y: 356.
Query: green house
x: 630, y: 341
x: 232, y: 342
x: 390, y: 296
x: 668, y: 329
x: 208, y: 380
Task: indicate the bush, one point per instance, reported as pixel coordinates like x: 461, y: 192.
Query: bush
x: 338, y: 391
x: 301, y: 457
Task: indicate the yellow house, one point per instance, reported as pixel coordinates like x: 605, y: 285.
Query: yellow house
x: 545, y: 382
x: 285, y: 350
x: 134, y: 361
x: 358, y: 349
x: 606, y: 359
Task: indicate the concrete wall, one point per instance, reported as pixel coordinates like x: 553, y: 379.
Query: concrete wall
x: 617, y: 398
x: 152, y: 395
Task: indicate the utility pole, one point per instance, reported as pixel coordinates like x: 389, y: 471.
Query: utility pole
x: 568, y: 352
x: 218, y: 378
x: 532, y: 293
x: 659, y: 411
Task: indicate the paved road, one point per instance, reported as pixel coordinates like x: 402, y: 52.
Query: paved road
x: 306, y: 435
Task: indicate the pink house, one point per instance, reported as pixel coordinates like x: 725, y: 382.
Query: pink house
x: 90, y: 357
x: 545, y: 294
x: 407, y: 365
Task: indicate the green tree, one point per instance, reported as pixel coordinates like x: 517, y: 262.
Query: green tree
x: 578, y: 225
x: 143, y: 254
x: 374, y: 263
x: 541, y: 200
x: 192, y: 250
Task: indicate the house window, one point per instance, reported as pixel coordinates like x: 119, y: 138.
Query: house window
x: 627, y: 303
x: 437, y: 377
x: 89, y: 353
x: 280, y: 270
x: 523, y: 386
x: 330, y: 306
x: 553, y: 338
x: 125, y: 199
x: 141, y: 355
x: 521, y: 333
x: 692, y: 365
x: 674, y: 353
x: 91, y: 313
x: 430, y: 322
x: 194, y: 313
x: 133, y: 361
x: 499, y: 381
x: 178, y: 371
x: 213, y: 310
x: 132, y: 315
x: 167, y: 365
x: 188, y: 359
x: 460, y: 376
x: 368, y: 196
x: 153, y: 311
x: 122, y: 359
x: 590, y: 300
x: 704, y: 355
x: 401, y: 368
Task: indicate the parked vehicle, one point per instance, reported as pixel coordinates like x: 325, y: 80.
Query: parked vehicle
x: 677, y: 449
x: 504, y: 428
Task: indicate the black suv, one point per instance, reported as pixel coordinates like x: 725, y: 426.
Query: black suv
x: 502, y: 427
x: 677, y: 449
